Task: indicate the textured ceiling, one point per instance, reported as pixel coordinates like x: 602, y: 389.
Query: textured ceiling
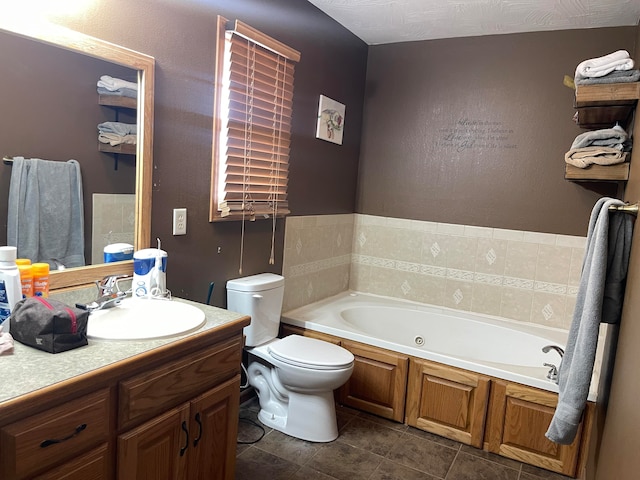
x: 391, y: 21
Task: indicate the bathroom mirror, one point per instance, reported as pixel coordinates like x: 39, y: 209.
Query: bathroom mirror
x: 78, y: 43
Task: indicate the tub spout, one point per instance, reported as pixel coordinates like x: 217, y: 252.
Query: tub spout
x: 547, y: 348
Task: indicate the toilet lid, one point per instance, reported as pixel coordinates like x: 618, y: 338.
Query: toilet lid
x: 311, y: 353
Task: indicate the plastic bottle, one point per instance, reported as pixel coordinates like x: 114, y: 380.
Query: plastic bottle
x: 23, y: 261
x: 40, y: 279
x: 26, y: 278
x: 10, y: 286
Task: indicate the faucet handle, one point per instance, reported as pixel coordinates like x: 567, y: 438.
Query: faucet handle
x: 553, y: 372
x: 109, y: 284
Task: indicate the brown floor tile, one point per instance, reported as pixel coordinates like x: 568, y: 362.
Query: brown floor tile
x: 344, y: 462
x: 287, y: 447
x: 253, y: 464
x: 471, y: 467
x: 542, y: 474
x: 383, y: 421
x: 373, y: 437
x: 422, y: 454
x: 389, y: 470
x: 306, y: 473
x: 507, y: 462
x: 434, y: 438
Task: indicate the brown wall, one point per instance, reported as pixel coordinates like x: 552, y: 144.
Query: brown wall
x: 181, y: 36
x: 617, y: 456
x: 50, y: 110
x: 473, y: 130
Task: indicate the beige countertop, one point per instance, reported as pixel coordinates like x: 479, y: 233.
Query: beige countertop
x: 28, y: 369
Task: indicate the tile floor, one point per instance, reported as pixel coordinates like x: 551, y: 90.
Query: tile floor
x: 368, y: 448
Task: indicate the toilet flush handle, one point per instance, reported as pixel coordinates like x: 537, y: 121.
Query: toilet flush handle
x: 257, y: 297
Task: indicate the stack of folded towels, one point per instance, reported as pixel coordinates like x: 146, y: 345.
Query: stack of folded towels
x: 116, y: 133
x: 607, y: 146
x: 617, y: 67
x: 115, y: 86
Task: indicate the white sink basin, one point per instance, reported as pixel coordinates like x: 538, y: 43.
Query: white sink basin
x: 143, y: 319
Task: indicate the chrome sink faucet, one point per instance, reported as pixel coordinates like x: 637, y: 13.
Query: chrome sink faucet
x: 553, y: 370
x: 109, y: 293
x: 109, y: 284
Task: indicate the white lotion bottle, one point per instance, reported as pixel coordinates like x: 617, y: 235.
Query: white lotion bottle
x: 10, y: 285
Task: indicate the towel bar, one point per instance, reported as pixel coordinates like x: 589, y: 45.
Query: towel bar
x: 632, y: 209
x: 7, y: 160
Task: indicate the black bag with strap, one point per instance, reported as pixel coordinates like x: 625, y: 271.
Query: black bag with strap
x: 49, y: 325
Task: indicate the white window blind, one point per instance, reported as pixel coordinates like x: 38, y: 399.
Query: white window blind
x: 255, y: 125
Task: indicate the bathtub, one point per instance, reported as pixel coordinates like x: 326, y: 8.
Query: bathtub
x: 489, y: 345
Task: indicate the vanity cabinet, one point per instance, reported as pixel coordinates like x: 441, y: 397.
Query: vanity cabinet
x: 195, y: 440
x: 447, y: 401
x: 518, y: 419
x: 54, y: 435
x: 168, y: 413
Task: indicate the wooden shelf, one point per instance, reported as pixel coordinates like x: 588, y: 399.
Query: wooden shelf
x: 118, y: 101
x: 607, y: 94
x: 598, y: 173
x: 124, y: 148
x: 604, y: 105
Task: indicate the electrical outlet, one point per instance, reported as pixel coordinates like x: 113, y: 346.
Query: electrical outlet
x: 179, y: 221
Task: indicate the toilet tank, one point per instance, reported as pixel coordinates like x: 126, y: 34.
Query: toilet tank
x: 259, y: 296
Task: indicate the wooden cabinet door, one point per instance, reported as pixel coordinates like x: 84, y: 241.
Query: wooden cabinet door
x: 95, y: 465
x: 447, y: 401
x: 157, y: 449
x: 518, y: 419
x: 378, y: 382
x: 214, y: 423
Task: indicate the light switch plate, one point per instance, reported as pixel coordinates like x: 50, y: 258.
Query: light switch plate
x: 179, y: 221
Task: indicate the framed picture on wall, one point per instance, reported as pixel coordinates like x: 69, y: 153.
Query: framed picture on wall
x: 330, y: 125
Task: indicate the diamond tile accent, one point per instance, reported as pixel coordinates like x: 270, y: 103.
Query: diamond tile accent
x: 491, y: 256
x: 405, y: 287
x: 299, y: 246
x: 362, y: 239
x: 457, y: 296
x: 309, y: 289
x: 435, y: 249
x: 547, y: 312
x: 339, y: 240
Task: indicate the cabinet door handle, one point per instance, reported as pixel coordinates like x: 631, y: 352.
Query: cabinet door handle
x: 186, y: 443
x: 199, y: 422
x: 53, y: 441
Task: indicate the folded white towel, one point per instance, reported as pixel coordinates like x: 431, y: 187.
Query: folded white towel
x: 601, y: 66
x: 113, y: 84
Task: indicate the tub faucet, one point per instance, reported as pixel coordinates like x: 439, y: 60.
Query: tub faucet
x: 553, y: 370
x: 547, y: 348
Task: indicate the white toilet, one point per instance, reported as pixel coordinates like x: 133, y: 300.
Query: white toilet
x: 294, y: 376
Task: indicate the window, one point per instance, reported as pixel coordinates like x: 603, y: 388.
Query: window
x: 252, y: 124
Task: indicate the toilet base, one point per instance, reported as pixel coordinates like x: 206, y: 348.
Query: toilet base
x: 308, y: 417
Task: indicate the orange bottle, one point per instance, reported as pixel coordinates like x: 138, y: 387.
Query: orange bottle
x: 26, y: 278
x: 40, y: 279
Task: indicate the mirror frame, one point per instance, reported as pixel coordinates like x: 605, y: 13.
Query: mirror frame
x: 65, y: 38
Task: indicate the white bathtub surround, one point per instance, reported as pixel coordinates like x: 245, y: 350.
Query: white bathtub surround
x: 524, y: 276
x: 317, y: 257
x: 485, y: 344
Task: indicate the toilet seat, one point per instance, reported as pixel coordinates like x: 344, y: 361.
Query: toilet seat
x: 310, y: 353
